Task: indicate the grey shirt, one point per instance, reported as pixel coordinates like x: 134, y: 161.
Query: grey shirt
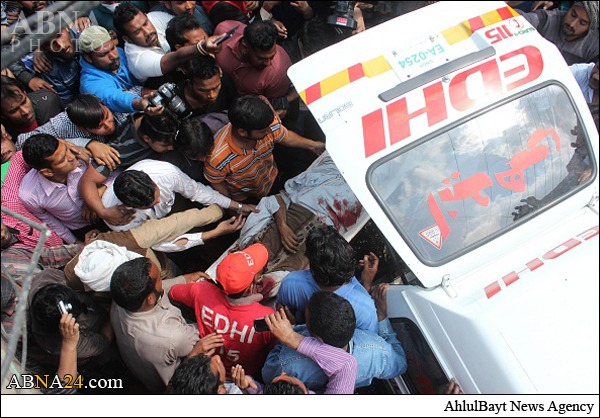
x: 152, y: 343
x: 549, y: 24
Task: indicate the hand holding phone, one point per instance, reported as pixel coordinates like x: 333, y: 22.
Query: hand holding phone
x: 260, y: 325
x: 226, y: 35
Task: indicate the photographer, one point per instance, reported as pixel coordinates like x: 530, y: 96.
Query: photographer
x: 47, y: 289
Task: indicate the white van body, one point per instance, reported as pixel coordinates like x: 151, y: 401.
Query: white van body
x: 506, y: 306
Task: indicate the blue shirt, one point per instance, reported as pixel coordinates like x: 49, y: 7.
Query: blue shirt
x: 111, y: 88
x: 378, y: 356
x: 64, y: 76
x: 298, y: 286
x: 582, y: 73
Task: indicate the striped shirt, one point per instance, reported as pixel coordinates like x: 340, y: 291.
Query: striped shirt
x: 338, y: 365
x: 130, y: 146
x: 247, y: 172
x: 61, y: 126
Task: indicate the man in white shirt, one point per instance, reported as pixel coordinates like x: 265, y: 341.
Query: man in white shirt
x: 149, y: 187
x: 147, y: 50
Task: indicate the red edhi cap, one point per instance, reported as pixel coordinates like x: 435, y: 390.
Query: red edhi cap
x: 237, y: 270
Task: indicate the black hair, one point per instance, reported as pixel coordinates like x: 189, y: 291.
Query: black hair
x: 225, y: 11
x: 331, y: 257
x: 85, y: 111
x: 44, y: 305
x: 331, y: 318
x: 177, y: 27
x: 261, y: 35
x: 10, y: 88
x: 282, y: 387
x: 135, y: 189
x: 195, y: 139
x: 123, y: 14
x: 193, y: 376
x: 250, y: 113
x: 131, y: 283
x: 38, y: 148
x: 203, y: 67
x: 160, y: 128
x: 316, y: 35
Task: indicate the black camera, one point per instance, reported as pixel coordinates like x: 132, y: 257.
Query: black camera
x: 167, y: 95
x: 343, y: 14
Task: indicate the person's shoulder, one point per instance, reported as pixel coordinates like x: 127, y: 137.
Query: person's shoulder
x: 30, y: 182
x: 44, y: 95
x: 299, y: 275
x: 160, y: 18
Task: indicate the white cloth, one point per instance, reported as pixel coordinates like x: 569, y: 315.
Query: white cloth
x: 143, y: 61
x: 582, y: 73
x: 320, y: 189
x: 193, y: 240
x: 170, y: 180
x: 98, y: 261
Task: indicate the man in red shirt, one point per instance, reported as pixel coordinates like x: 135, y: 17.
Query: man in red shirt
x: 230, y: 306
x: 256, y: 64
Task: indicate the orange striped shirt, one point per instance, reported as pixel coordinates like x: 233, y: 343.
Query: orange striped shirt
x: 247, y: 172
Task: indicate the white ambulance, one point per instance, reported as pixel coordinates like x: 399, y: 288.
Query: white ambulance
x: 470, y: 146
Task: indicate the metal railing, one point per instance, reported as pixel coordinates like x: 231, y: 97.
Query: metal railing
x: 19, y: 329
x: 33, y: 28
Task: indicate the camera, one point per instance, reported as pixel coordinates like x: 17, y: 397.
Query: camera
x: 343, y: 14
x: 167, y: 95
x: 64, y: 308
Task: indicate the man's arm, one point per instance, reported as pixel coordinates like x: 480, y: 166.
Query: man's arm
x: 88, y: 189
x: 289, y: 240
x: 206, y: 195
x: 296, y: 141
x: 69, y: 330
x: 338, y: 365
x: 115, y: 98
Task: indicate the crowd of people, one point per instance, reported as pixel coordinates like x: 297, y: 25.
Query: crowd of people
x: 143, y: 135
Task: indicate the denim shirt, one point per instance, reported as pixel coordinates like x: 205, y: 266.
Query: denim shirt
x: 64, y: 76
x: 379, y: 356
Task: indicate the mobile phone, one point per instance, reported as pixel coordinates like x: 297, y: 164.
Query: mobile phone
x: 226, y: 35
x: 260, y: 325
x: 64, y: 308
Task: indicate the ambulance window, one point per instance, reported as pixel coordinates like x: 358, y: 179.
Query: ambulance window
x: 482, y: 176
x: 424, y: 375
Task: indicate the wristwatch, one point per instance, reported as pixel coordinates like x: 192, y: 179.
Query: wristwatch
x: 240, y: 207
